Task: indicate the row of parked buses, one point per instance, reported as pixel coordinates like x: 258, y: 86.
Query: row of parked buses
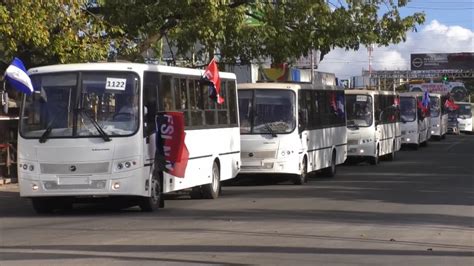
x: 88, y: 131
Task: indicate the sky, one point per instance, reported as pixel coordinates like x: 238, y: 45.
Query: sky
x: 448, y: 28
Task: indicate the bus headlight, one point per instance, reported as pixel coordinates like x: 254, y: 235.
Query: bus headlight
x: 125, y: 165
x: 28, y: 167
x: 34, y: 187
x: 285, y: 153
x: 116, y: 186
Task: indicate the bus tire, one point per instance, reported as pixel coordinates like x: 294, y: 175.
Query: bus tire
x: 156, y: 200
x: 211, y: 191
x: 43, y: 205
x: 302, y: 177
x: 375, y: 160
x: 391, y: 155
x: 331, y: 170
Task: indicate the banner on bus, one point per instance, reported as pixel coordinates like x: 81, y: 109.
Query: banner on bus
x: 171, y: 152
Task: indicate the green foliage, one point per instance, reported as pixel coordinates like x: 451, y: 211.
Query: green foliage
x: 244, y: 30
x: 287, y: 29
x: 53, y: 31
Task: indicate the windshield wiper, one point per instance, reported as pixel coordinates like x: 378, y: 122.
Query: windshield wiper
x: 46, y: 133
x: 352, y: 124
x: 270, y: 130
x: 96, y: 125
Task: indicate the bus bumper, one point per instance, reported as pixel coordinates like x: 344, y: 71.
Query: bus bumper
x: 436, y: 130
x: 410, y: 139
x: 361, y: 150
x: 465, y: 127
x: 266, y: 166
x: 126, y: 183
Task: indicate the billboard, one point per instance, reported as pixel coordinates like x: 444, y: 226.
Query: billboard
x: 461, y: 61
x: 457, y: 89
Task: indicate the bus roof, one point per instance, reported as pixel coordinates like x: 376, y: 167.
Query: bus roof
x: 370, y: 92
x: 282, y: 86
x: 113, y: 66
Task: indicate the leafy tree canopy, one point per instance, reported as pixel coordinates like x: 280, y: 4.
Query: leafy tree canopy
x: 64, y: 31
x: 53, y: 31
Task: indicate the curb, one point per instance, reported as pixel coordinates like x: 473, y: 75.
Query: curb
x: 5, y: 181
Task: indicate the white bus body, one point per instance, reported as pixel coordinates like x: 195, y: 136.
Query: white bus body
x: 74, y: 159
x: 373, y: 123
x: 415, y: 124
x: 465, y: 119
x: 439, y: 115
x: 291, y: 128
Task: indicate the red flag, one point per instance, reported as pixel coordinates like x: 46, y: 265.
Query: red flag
x: 396, y: 101
x: 171, y: 135
x: 333, y: 101
x: 212, y: 75
x: 423, y: 108
x: 451, y: 105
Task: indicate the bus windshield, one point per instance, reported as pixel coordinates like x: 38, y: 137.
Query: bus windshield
x: 359, y: 110
x: 267, y: 111
x: 464, y: 111
x: 407, y: 109
x: 435, y: 107
x: 81, y: 104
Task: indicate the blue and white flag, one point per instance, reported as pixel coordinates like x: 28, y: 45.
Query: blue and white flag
x: 426, y: 99
x: 18, y: 78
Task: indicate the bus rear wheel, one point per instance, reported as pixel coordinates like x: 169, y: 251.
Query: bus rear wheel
x: 212, y: 190
x: 331, y: 170
x: 391, y: 155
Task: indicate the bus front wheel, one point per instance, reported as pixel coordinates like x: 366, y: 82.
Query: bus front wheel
x: 300, y: 179
x: 156, y: 200
x: 43, y: 205
x: 375, y: 160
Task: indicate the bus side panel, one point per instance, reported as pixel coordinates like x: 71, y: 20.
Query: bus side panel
x: 206, y: 146
x: 387, y: 138
x: 321, y: 143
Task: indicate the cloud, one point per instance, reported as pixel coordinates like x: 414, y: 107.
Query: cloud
x: 432, y: 38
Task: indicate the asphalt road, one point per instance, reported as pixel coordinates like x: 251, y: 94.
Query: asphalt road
x: 416, y: 210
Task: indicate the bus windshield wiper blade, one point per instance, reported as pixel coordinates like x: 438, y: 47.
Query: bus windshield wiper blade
x: 270, y: 130
x: 46, y: 133
x: 96, y: 125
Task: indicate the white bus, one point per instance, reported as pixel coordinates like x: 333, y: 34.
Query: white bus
x: 439, y: 115
x: 415, y: 121
x: 373, y: 123
x: 465, y: 120
x: 88, y: 131
x: 291, y: 128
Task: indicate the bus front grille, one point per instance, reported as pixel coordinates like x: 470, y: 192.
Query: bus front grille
x: 259, y: 154
x: 352, y: 141
x: 74, y: 168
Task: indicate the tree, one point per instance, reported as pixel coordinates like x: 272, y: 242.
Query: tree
x: 53, y: 31
x: 287, y: 30
x: 282, y: 30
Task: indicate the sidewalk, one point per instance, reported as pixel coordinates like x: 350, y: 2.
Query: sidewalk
x: 10, y: 187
